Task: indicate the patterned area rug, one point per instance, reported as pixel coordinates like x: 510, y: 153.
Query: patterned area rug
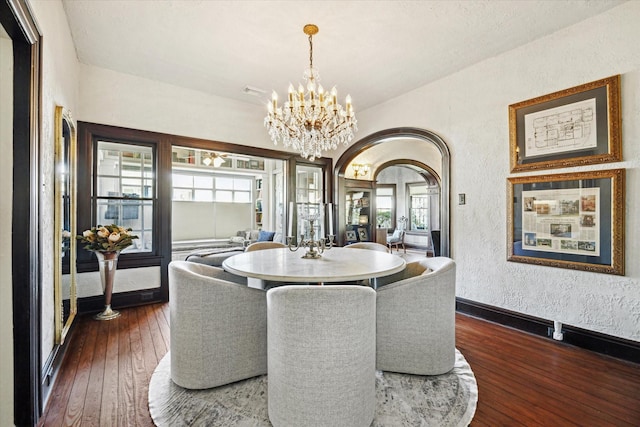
x: 403, y: 400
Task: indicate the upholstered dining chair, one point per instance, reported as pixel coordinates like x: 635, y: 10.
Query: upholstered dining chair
x: 368, y: 245
x: 258, y: 246
x: 415, y: 318
x: 397, y: 240
x: 218, y: 326
x: 371, y: 246
x: 321, y: 355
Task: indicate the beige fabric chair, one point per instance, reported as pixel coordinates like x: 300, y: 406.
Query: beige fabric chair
x: 372, y: 246
x: 218, y: 326
x: 415, y: 318
x: 321, y: 352
x: 368, y: 245
x: 258, y: 246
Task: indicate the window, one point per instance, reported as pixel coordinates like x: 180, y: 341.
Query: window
x: 201, y: 187
x: 125, y: 191
x: 418, y: 207
x: 385, y: 206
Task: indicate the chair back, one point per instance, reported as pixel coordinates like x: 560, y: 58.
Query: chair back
x: 193, y: 269
x: 321, y: 355
x: 372, y: 246
x: 415, y: 318
x: 204, y: 354
x: 258, y: 246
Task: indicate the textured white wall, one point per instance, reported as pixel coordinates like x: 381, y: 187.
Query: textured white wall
x: 59, y: 87
x: 469, y: 110
x: 113, y: 98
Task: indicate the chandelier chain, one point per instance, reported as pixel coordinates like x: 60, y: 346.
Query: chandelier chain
x: 310, y: 52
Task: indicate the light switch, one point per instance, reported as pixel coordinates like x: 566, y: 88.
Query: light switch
x: 462, y: 198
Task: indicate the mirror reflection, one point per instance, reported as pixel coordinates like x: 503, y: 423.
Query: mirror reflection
x: 65, y: 223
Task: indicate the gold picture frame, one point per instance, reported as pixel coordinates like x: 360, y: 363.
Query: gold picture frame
x: 572, y: 127
x: 571, y: 220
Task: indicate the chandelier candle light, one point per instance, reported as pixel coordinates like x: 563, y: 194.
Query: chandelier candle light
x: 311, y: 122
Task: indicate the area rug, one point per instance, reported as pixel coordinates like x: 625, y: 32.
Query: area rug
x: 402, y: 400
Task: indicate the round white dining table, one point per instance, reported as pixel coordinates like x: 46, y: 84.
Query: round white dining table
x: 337, y: 264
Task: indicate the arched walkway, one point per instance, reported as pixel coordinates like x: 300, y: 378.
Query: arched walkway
x: 419, y: 135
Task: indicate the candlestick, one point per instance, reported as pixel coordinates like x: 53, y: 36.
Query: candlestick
x: 290, y: 227
x: 314, y: 247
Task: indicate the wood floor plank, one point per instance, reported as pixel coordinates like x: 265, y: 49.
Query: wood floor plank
x: 554, y: 374
x: 140, y: 377
x: 148, y: 349
x: 93, y: 398
x: 522, y: 379
x: 73, y: 414
x: 558, y: 358
x: 110, y: 381
x: 563, y: 405
x: 126, y: 400
x: 159, y: 344
x: 59, y: 398
x: 550, y: 374
x: 162, y: 315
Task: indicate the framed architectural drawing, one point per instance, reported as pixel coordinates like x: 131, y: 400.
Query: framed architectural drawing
x: 363, y: 235
x: 573, y: 220
x: 576, y: 126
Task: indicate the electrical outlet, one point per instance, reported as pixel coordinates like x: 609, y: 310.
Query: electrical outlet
x: 462, y: 198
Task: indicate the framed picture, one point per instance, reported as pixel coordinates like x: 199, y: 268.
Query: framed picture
x: 363, y: 234
x: 351, y: 235
x: 573, y: 220
x: 576, y: 126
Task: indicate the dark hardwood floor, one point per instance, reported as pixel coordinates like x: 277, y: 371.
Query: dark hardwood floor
x: 523, y: 380
x: 104, y: 378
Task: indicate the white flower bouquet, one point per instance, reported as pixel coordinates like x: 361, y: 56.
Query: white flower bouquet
x: 107, y: 238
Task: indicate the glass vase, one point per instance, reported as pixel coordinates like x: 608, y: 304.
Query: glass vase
x: 108, y: 263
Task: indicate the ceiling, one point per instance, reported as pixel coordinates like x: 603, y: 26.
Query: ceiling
x: 374, y: 50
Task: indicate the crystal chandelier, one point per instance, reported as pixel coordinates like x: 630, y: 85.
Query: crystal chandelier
x: 311, y: 121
